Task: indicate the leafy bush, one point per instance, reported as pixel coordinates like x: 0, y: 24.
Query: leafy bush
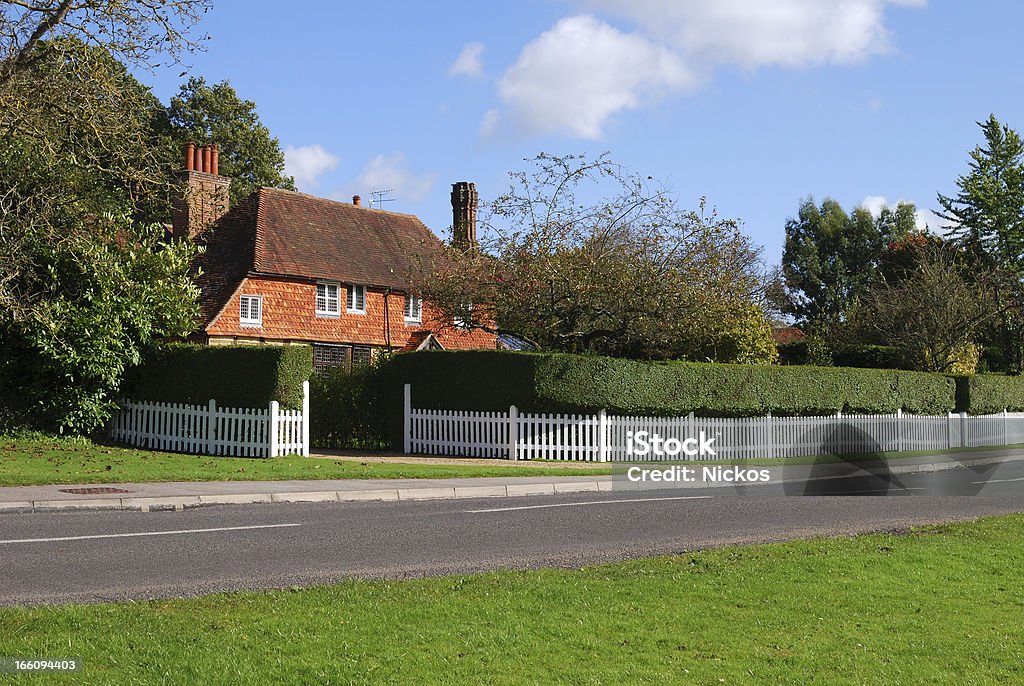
x: 869, y: 357
x: 346, y: 409
x: 543, y: 382
x: 795, y: 352
x: 990, y: 393
x: 234, y: 376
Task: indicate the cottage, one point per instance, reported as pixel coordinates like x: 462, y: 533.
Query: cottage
x: 284, y: 268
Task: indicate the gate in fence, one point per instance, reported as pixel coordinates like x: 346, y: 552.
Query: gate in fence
x: 602, y: 437
x: 211, y: 430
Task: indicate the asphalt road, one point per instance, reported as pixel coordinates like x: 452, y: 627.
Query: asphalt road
x: 96, y: 556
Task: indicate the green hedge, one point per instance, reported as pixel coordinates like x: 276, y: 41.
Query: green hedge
x: 346, y: 409
x: 990, y: 393
x: 542, y: 382
x: 234, y: 376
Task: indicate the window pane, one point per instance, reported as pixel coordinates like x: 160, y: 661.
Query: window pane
x: 325, y: 356
x: 327, y: 298
x: 351, y: 297
x: 243, y: 309
x: 360, y: 297
x: 361, y: 356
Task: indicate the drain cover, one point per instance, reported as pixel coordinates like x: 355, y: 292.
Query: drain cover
x: 92, y: 491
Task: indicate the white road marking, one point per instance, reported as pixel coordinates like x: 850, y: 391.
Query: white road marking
x: 997, y: 481
x: 147, y: 533
x: 589, y: 502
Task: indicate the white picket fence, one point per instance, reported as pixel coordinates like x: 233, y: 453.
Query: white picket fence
x: 211, y: 430
x: 602, y: 437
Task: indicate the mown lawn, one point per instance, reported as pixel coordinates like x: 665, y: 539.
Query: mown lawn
x: 935, y: 606
x: 34, y: 460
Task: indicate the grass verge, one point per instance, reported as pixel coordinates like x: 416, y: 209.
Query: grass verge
x: 939, y: 605
x: 37, y: 460
x: 33, y: 460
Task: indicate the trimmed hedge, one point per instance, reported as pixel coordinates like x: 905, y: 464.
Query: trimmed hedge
x: 346, y: 409
x: 989, y: 393
x: 234, y: 376
x: 551, y: 382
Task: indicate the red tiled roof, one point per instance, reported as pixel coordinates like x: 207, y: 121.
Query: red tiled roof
x: 281, y: 232
x: 788, y: 334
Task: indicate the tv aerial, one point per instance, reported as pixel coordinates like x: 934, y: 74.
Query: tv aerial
x: 380, y: 197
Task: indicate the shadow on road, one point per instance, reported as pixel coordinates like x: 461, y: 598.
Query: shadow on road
x: 867, y: 474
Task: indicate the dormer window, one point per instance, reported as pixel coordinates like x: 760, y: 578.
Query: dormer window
x: 250, y: 310
x: 328, y: 299
x: 356, y: 299
x: 413, y: 309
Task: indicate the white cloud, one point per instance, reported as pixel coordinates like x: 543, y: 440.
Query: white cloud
x: 307, y: 164
x: 392, y: 172
x: 574, y: 77
x: 490, y: 122
x: 874, y: 204
x: 469, y: 62
x: 582, y: 71
x: 923, y: 218
x: 754, y: 33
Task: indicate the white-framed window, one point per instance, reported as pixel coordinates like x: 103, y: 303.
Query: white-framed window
x: 464, y: 316
x: 413, y: 309
x: 250, y: 310
x: 356, y: 299
x: 328, y: 299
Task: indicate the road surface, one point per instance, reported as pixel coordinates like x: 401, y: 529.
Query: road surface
x: 97, y: 556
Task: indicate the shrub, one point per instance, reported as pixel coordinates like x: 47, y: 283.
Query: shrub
x: 346, y: 409
x: 234, y: 376
x: 794, y: 352
x: 543, y: 382
x: 869, y: 357
x: 990, y: 393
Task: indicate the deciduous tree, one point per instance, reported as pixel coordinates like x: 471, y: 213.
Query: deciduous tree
x: 249, y: 154
x: 585, y: 256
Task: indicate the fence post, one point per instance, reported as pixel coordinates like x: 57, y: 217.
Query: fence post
x: 949, y: 430
x: 602, y: 429
x: 513, y: 433
x: 274, y: 405
x: 211, y: 426
x: 963, y: 430
x: 305, y: 418
x: 1005, y: 420
x: 771, y: 436
x: 899, y: 429
x: 407, y: 423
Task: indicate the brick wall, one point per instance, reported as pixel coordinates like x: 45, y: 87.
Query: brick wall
x: 205, y: 200
x: 289, y: 314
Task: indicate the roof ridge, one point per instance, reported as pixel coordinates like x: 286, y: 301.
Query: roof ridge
x: 335, y: 201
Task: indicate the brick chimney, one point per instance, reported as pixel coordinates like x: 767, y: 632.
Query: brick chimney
x: 464, y: 204
x: 202, y: 197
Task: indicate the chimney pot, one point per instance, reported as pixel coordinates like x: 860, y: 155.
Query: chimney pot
x: 190, y: 151
x: 215, y: 161
x: 197, y: 159
x: 356, y: 200
x: 207, y: 166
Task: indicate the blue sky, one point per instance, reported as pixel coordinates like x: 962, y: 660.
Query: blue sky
x: 755, y: 104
